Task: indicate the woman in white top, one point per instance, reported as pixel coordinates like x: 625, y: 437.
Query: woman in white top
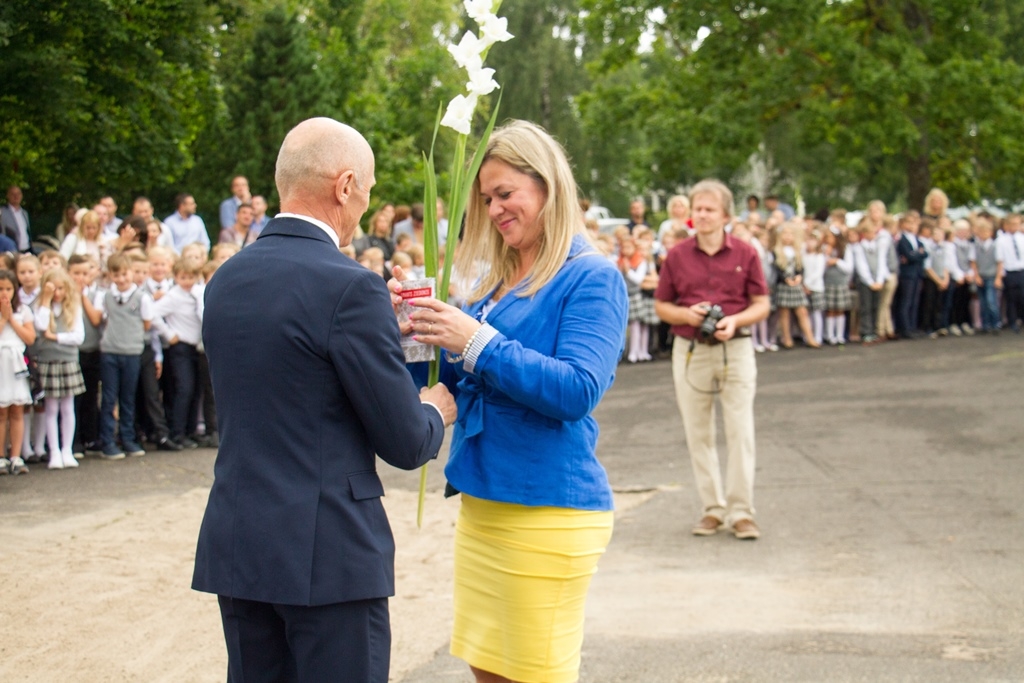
x: 87, y: 238
x: 678, y: 216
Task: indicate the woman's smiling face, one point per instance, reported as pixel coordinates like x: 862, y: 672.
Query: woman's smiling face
x: 514, y: 202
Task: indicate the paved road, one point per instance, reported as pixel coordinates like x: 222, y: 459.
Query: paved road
x: 888, y: 491
x: 889, y: 486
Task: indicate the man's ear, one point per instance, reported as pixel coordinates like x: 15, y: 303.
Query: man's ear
x: 344, y: 186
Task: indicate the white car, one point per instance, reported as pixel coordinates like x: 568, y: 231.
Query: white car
x: 606, y: 223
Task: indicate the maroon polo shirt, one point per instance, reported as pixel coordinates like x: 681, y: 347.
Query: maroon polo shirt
x: 730, y: 278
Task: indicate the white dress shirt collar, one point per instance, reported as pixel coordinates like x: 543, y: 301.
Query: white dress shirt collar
x: 125, y: 295
x: 318, y: 223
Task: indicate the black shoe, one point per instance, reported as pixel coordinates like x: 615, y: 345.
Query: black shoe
x: 166, y: 444
x: 208, y: 441
x: 186, y: 443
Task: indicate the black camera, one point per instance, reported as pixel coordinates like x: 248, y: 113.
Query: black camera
x: 707, y: 328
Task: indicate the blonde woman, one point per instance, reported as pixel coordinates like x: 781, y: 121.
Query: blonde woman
x: 936, y: 204
x: 87, y: 238
x: 529, y: 358
x: 678, y: 217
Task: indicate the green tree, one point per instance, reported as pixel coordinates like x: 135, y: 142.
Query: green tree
x: 101, y: 95
x: 407, y: 74
x: 279, y: 85
x: 852, y: 94
x: 541, y: 73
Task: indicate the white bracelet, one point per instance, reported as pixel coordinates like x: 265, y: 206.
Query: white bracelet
x: 465, y: 349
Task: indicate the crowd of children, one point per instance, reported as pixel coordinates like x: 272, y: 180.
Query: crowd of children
x: 884, y: 278
x: 101, y: 348
x: 101, y: 353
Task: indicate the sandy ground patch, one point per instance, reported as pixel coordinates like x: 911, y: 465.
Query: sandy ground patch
x: 105, y: 596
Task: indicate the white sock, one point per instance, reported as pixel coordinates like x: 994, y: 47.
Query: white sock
x: 634, y: 340
x: 830, y: 329
x: 39, y: 432
x: 67, y: 425
x: 26, y: 440
x: 645, y: 341
x: 841, y: 329
x: 816, y: 325
x: 52, y: 408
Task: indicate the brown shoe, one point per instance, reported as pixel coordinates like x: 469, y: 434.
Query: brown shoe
x: 707, y: 526
x: 746, y: 530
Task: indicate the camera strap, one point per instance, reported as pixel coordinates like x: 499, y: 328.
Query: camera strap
x: 715, y: 388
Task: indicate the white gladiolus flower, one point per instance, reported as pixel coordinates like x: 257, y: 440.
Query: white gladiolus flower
x: 467, y: 52
x: 478, y: 9
x: 494, y: 29
x: 482, y: 82
x: 459, y: 114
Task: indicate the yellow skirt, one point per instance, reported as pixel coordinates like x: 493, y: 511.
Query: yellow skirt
x: 521, y: 580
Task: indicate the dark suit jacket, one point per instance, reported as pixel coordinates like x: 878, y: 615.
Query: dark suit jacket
x: 911, y: 259
x: 310, y: 382
x: 9, y: 224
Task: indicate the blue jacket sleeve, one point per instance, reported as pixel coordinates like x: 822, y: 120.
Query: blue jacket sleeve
x: 589, y: 335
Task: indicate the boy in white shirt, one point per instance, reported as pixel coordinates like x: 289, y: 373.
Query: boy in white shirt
x: 178, y: 317
x: 128, y: 313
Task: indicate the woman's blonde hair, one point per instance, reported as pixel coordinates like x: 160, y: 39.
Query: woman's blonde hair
x: 936, y: 193
x: 780, y: 251
x: 528, y: 149
x: 92, y: 219
x: 71, y: 304
x: 678, y: 199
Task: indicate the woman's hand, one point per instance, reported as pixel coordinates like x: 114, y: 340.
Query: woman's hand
x: 435, y: 322
x: 395, y: 287
x: 6, y: 310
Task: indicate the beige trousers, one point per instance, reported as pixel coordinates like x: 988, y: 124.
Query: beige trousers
x: 731, y: 368
x: 883, y: 325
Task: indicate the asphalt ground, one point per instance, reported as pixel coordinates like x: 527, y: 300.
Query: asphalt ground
x: 888, y: 492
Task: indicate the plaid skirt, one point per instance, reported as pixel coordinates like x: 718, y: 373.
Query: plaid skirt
x: 838, y: 297
x: 641, y: 308
x: 787, y: 296
x: 817, y: 301
x: 61, y: 378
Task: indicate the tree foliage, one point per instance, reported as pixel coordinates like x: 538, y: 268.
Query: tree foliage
x: 98, y: 94
x: 163, y: 96
x: 860, y: 97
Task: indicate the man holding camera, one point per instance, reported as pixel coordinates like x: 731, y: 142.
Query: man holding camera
x: 711, y: 290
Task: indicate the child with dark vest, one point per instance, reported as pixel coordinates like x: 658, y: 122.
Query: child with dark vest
x: 127, y: 312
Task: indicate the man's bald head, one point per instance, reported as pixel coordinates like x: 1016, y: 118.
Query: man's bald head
x: 316, y: 152
x: 325, y: 171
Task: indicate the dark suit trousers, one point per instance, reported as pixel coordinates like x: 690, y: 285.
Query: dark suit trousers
x: 962, y: 304
x: 1013, y: 294
x: 181, y: 367
x: 931, y: 306
x: 202, y: 399
x: 87, y: 405
x: 908, y: 296
x: 149, y: 410
x: 348, y: 642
